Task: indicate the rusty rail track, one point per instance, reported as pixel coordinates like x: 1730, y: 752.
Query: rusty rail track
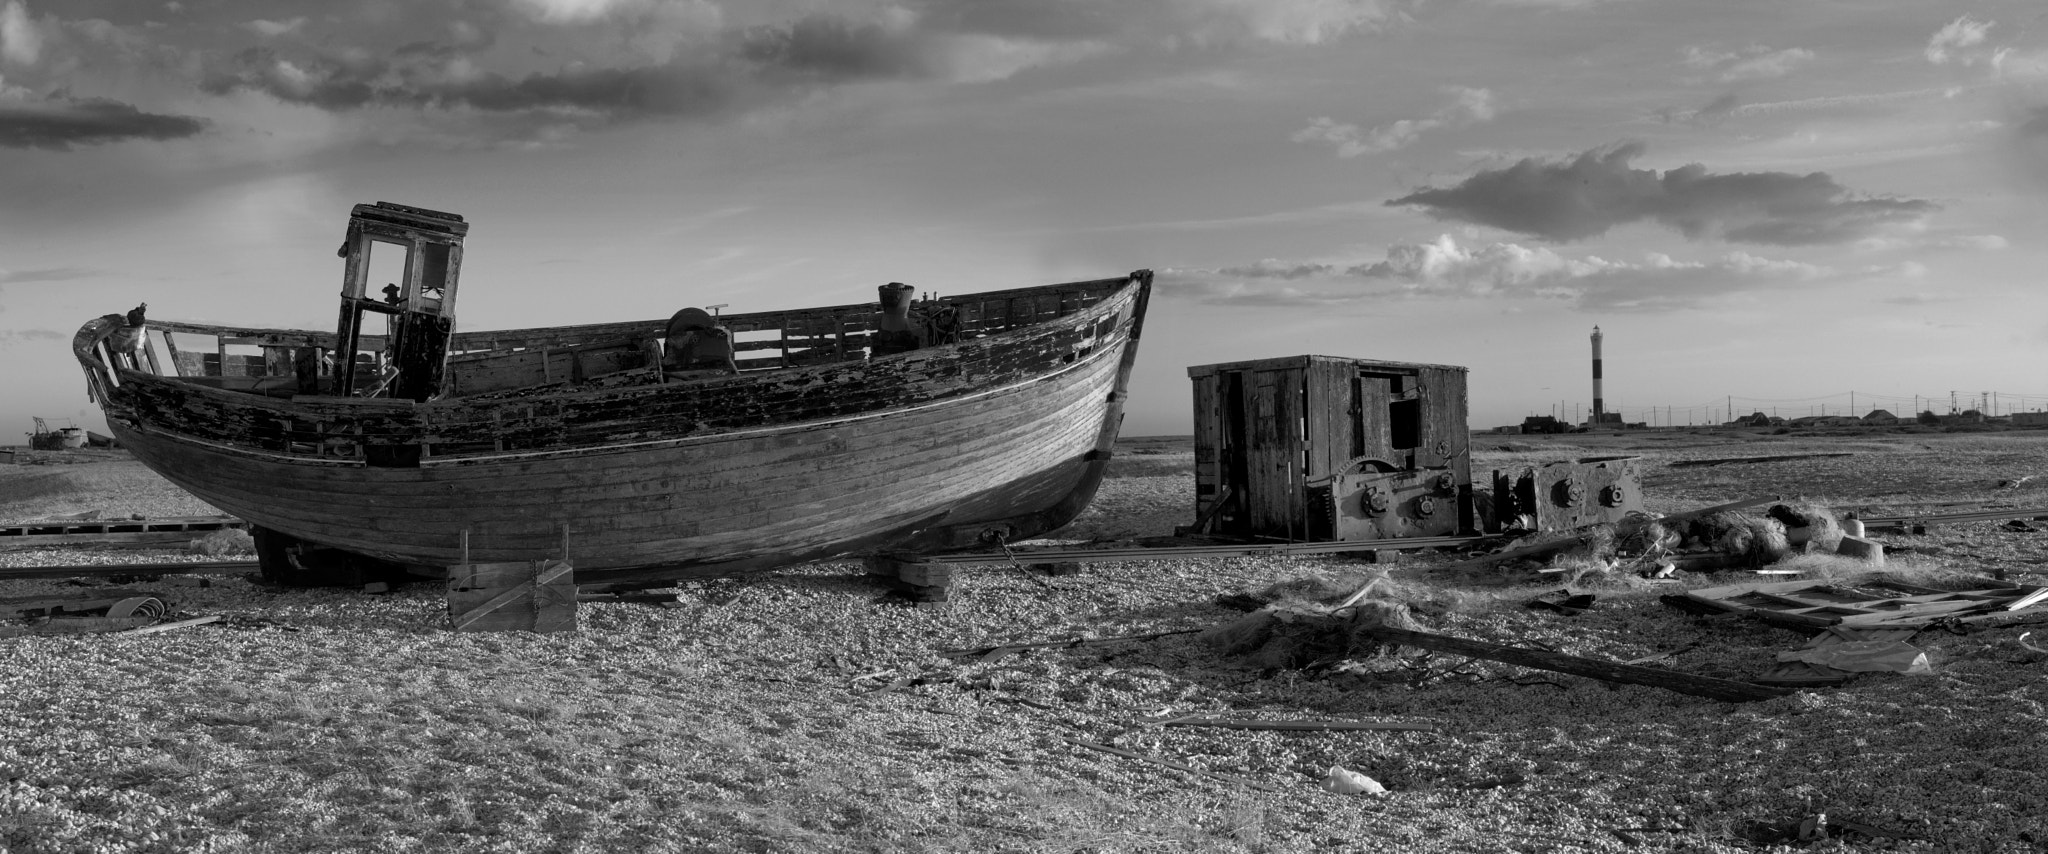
x: 111, y: 533
x: 106, y: 570
x: 1232, y: 550
x: 1978, y: 516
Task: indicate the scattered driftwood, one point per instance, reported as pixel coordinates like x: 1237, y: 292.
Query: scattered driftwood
x: 74, y: 626
x: 1871, y: 601
x: 1744, y: 504
x: 1609, y: 671
x: 1536, y: 550
x: 1167, y: 763
x: 1337, y: 634
x: 1000, y: 650
x: 1298, y: 726
x: 1585, y: 535
x: 165, y: 627
x: 1731, y: 461
x: 635, y: 598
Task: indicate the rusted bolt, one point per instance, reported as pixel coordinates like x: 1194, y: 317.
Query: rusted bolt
x: 1425, y: 505
x: 1375, y: 502
x: 1614, y: 495
x: 1447, y: 482
x: 1443, y: 448
x: 1573, y: 491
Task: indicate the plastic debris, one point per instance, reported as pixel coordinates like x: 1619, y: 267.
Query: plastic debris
x: 1345, y: 781
x: 1865, y: 656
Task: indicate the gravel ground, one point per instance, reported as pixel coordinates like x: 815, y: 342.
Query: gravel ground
x: 803, y: 711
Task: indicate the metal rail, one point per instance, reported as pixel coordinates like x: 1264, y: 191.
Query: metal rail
x: 168, y: 532
x: 120, y: 526
x: 1170, y: 553
x: 1979, y: 516
x: 103, y: 570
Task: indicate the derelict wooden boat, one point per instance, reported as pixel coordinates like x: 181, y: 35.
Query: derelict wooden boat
x: 426, y: 447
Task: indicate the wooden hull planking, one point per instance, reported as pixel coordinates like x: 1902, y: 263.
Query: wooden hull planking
x: 945, y: 472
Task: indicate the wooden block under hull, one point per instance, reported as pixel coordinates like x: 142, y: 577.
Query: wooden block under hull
x: 924, y: 583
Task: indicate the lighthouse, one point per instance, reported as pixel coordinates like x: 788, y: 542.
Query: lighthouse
x: 1599, y: 402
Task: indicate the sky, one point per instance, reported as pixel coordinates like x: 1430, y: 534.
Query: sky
x: 1795, y: 208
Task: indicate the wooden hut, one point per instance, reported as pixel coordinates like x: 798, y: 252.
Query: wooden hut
x: 1322, y: 448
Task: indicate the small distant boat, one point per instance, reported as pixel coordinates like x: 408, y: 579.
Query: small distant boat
x: 424, y: 447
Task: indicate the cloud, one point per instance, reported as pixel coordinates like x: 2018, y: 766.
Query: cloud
x: 9, y: 338
x: 747, y: 67
x: 51, y: 274
x: 1754, y: 62
x: 575, y: 11
x: 1585, y: 196
x: 1157, y: 22
x: 1468, y: 106
x: 20, y: 42
x: 1714, y: 111
x: 1836, y: 102
x: 273, y: 29
x: 58, y: 123
x: 1773, y: 64
x: 1444, y: 269
x: 1963, y: 32
x: 1656, y: 283
x: 1971, y: 242
x: 1274, y: 268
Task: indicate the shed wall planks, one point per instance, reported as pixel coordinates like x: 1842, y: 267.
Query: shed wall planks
x: 1278, y: 435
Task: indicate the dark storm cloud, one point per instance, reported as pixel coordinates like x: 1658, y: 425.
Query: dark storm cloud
x: 58, y: 123
x: 835, y: 49
x: 753, y: 65
x: 1585, y: 196
x: 1048, y: 20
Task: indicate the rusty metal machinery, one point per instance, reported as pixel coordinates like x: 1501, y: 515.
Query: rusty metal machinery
x: 1571, y: 494
x: 1374, y: 501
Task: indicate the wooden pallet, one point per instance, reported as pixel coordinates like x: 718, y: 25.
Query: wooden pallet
x: 1878, y: 601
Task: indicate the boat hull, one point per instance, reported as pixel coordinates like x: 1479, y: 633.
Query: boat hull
x: 964, y: 470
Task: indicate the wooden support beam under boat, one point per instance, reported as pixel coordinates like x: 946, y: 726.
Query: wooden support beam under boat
x: 924, y: 583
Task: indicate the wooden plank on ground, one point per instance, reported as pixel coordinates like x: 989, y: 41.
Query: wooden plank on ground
x: 1610, y: 671
x: 1298, y: 726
